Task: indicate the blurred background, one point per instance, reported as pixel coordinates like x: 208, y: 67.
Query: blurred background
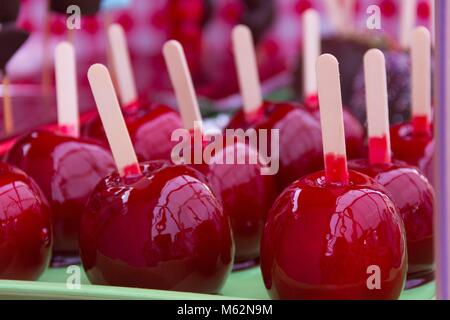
x: 202, y: 26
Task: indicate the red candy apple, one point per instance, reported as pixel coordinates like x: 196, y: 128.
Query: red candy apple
x: 153, y: 225
x: 25, y: 226
x: 320, y: 240
x: 414, y: 145
x: 246, y: 193
x: 333, y: 234
x: 413, y: 141
x: 407, y: 187
x: 67, y: 169
x: 300, y: 147
x: 163, y: 229
x: 414, y: 196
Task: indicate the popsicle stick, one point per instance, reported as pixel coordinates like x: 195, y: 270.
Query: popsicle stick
x: 66, y: 89
x: 8, y: 118
x: 311, y: 51
x: 377, y: 107
x: 113, y: 122
x: 182, y: 84
x: 336, y: 15
x: 247, y: 69
x: 407, y: 21
x: 332, y: 120
x: 70, y: 35
x: 123, y: 69
x: 421, y: 79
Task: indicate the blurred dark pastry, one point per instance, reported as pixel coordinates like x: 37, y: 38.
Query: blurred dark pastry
x: 9, y: 10
x: 88, y: 7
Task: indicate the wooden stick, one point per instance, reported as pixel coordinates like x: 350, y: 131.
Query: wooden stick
x: 377, y: 107
x: 123, y: 69
x: 311, y: 51
x: 421, y: 79
x: 8, y: 117
x: 332, y: 120
x: 113, y: 121
x: 182, y: 84
x: 46, y: 76
x: 407, y: 21
x: 247, y: 68
x: 66, y: 89
x: 71, y: 35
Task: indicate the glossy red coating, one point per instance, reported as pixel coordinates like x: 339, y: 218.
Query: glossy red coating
x: 415, y: 148
x: 67, y: 169
x: 414, y: 196
x: 25, y: 226
x: 162, y: 230
x: 300, y: 144
x: 321, y: 241
x: 150, y: 127
x: 246, y: 194
x: 336, y: 168
x: 354, y: 131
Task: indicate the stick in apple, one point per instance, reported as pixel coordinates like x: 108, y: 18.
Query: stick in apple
x: 186, y: 98
x: 182, y: 84
x: 123, y: 69
x: 377, y: 107
x: 332, y: 120
x: 66, y: 89
x: 247, y: 68
x: 311, y: 51
x: 113, y: 122
x: 407, y: 21
x: 46, y: 79
x: 8, y: 118
x: 421, y: 79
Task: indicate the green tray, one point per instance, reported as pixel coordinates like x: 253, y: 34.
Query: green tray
x: 245, y: 284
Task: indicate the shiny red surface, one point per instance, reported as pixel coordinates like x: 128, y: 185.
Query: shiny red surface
x: 415, y: 148
x: 25, y: 226
x: 320, y: 240
x: 163, y: 230
x: 150, y: 127
x: 354, y: 131
x: 414, y: 196
x: 245, y: 193
x: 336, y: 168
x: 379, y: 151
x: 67, y: 169
x: 300, y: 144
